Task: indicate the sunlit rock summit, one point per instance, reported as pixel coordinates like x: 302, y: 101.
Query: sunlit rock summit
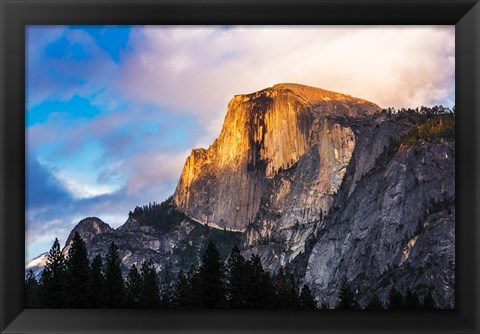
x: 265, y: 133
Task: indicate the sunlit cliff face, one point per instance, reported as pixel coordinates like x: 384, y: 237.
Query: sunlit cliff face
x: 265, y: 133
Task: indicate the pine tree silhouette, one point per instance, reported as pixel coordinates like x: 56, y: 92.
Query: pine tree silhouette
x: 293, y: 293
x: 212, y: 288
x: 182, y: 294
x: 133, y: 287
x: 166, y: 290
x: 260, y: 291
x: 282, y: 290
x: 266, y: 291
x: 96, y: 283
x: 237, y: 279
x: 150, y: 292
x: 374, y: 303
x: 77, y: 272
x: 429, y: 302
x: 411, y: 301
x: 32, y: 297
x: 324, y: 306
x: 347, y: 300
x: 195, y: 288
x: 307, y: 302
x: 53, y: 278
x: 114, y: 285
x: 395, y: 300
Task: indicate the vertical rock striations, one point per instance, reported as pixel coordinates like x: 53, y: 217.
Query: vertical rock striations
x: 265, y: 134
x: 393, y: 219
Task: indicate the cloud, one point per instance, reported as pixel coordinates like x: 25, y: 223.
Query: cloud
x: 198, y: 69
x: 103, y: 166
x: 153, y: 170
x: 42, y: 187
x: 62, y: 63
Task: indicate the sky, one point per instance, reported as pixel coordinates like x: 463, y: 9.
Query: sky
x: 112, y: 112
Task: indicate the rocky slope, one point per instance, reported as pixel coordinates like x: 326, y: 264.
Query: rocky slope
x: 174, y: 241
x: 393, y: 219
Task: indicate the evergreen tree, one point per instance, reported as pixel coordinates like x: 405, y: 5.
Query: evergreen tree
x: 395, y: 300
x: 166, y: 290
x: 236, y: 280
x: 347, y: 300
x: 374, y: 303
x: 260, y: 291
x: 293, y: 293
x: 282, y: 290
x: 96, y: 283
x: 195, y: 288
x: 307, y: 302
x: 429, y: 302
x: 77, y: 272
x: 53, y: 278
x: 324, y: 306
x: 182, y: 295
x: 411, y: 301
x: 114, y: 285
x: 267, y: 296
x: 32, y: 297
x: 150, y: 292
x: 133, y: 287
x: 211, y: 279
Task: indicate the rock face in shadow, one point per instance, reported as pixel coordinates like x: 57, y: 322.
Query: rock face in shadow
x: 392, y: 221
x: 296, y: 199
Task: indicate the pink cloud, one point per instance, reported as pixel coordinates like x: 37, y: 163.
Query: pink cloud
x: 154, y: 171
x: 198, y: 69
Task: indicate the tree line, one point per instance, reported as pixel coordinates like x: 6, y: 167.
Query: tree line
x: 161, y: 216
x: 433, y: 129
x: 75, y: 282
x: 423, y: 110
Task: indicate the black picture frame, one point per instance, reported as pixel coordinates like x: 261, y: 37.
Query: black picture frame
x: 16, y: 14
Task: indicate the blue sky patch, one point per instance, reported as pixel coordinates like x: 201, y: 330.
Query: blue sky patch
x: 112, y: 39
x: 64, y: 49
x: 78, y: 107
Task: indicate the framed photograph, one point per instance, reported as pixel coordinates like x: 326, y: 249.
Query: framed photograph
x: 239, y: 166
